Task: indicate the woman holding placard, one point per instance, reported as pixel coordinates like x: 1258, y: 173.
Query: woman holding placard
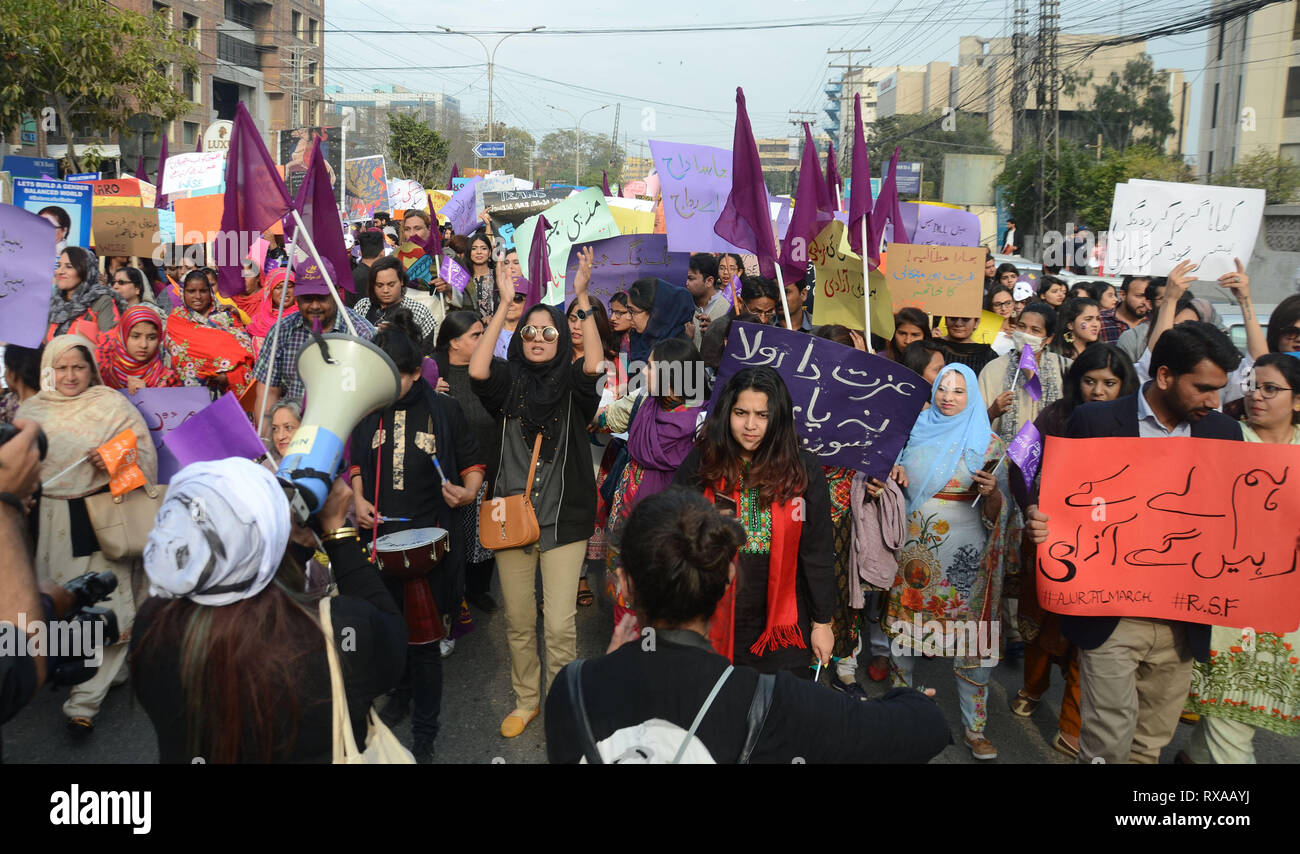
x: 1251, y: 680
x: 79, y: 415
x: 387, y: 293
x: 207, y: 344
x: 950, y: 567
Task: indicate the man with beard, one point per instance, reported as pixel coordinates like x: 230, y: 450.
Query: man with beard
x: 1134, y: 673
x: 1131, y: 311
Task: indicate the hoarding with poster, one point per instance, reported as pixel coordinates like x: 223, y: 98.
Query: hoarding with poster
x: 295, y: 149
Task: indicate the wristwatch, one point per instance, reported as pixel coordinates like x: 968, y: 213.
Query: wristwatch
x: 583, y: 313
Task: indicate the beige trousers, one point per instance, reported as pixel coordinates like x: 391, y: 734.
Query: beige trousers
x: 561, y: 567
x: 1132, y: 689
x: 1220, y: 741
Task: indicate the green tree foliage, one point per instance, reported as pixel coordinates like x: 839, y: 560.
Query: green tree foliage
x: 1129, y: 108
x: 97, y: 65
x: 1278, y: 177
x: 924, y: 138
x: 556, y: 153
x: 416, y: 151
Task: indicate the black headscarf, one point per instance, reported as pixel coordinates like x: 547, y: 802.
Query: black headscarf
x: 671, y: 308
x: 539, y: 390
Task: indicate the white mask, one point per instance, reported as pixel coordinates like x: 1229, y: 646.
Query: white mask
x: 1024, y: 339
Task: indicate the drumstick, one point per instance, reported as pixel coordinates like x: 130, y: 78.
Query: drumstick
x: 394, y: 518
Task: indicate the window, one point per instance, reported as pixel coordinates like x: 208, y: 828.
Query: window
x: 1295, y: 28
x: 237, y: 52
x: 190, y: 24
x: 1209, y: 165
x: 1214, y: 109
x: 190, y: 134
x: 1223, y: 31
x: 1291, y: 107
x: 313, y: 31
x: 311, y: 74
x: 297, y: 25
x: 239, y: 13
x: 1290, y: 151
x: 190, y: 87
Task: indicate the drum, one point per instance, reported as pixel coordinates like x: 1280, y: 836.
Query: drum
x: 410, y: 556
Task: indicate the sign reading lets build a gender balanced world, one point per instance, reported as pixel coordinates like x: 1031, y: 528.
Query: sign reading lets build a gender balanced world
x: 942, y: 280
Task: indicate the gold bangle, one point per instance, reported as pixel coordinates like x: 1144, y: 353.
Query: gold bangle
x: 341, y: 534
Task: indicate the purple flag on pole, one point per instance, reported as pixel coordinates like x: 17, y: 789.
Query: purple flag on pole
x: 1029, y: 365
x: 453, y: 274
x: 26, y: 253
x: 160, y: 201
x: 255, y: 198
x: 455, y: 173
x: 604, y: 182
x: 1026, y: 451
x: 198, y: 144
x: 732, y: 293
x: 320, y: 213
x: 139, y: 167
x: 860, y: 190
x: 746, y: 218
x: 809, y: 214
x: 219, y: 431
x: 539, y: 265
x: 433, y: 246
x: 887, y: 207
x: 832, y: 176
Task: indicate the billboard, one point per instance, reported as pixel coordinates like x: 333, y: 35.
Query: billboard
x: 295, y: 148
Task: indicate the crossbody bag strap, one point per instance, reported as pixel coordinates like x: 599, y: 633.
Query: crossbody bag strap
x: 532, y: 466
x: 579, y: 706
x: 758, y: 709
x: 343, y: 736
x: 704, y: 710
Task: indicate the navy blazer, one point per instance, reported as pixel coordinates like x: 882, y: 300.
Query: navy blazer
x: 1120, y: 418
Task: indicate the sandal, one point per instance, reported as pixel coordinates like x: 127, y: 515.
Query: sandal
x: 80, y: 726
x: 1062, y: 746
x: 878, y: 670
x: 585, y: 595
x: 1023, y: 705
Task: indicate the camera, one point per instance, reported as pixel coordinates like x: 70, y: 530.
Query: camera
x: 8, y: 431
x: 88, y: 628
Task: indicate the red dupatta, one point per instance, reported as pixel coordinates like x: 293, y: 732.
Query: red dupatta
x: 782, y: 627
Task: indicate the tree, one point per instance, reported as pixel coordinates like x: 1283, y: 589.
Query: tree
x: 557, y: 151
x: 923, y: 138
x: 416, y: 151
x: 1128, y: 104
x: 96, y: 64
x: 1277, y: 176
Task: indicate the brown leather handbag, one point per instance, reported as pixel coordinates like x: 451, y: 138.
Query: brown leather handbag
x: 511, y: 522
x: 122, y: 523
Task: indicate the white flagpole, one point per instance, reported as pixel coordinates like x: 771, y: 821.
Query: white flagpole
x: 275, y: 334
x: 329, y: 283
x: 866, y: 287
x: 785, y: 306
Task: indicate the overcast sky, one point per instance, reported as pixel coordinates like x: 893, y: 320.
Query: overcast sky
x: 681, y: 86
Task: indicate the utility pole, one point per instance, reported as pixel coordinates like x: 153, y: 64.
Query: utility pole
x: 491, y: 59
x: 1020, y: 69
x: 800, y: 118
x: 1049, y: 119
x: 849, y: 67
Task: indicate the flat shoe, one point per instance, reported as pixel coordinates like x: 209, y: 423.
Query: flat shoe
x: 1024, y: 705
x: 81, y: 727
x: 981, y: 747
x: 515, y: 722
x: 878, y: 670
x: 1060, y: 745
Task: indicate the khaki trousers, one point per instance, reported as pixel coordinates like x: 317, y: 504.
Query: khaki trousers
x: 1132, y: 689
x: 561, y: 567
x: 1220, y: 741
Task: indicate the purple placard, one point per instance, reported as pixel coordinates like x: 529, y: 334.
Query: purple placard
x: 221, y: 430
x: 453, y: 274
x: 459, y: 209
x: 622, y: 260
x: 26, y: 273
x: 695, y: 182
x: 851, y: 408
x: 165, y: 409
x: 933, y: 225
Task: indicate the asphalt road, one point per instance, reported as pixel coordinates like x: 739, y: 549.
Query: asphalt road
x: 477, y: 696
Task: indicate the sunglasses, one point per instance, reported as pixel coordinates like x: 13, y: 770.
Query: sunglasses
x: 547, y: 333
x: 1293, y: 332
x: 520, y: 297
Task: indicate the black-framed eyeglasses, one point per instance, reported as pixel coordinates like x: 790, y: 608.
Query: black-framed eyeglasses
x: 618, y: 312
x: 632, y: 309
x: 1268, y: 391
x: 1003, y: 304
x: 547, y: 333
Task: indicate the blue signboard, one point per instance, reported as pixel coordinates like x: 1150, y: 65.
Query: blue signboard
x: 30, y: 167
x: 74, y: 200
x: 85, y: 176
x: 909, y: 177
x: 489, y: 149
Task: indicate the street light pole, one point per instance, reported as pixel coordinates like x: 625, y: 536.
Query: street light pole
x: 491, y: 58
x: 577, y: 142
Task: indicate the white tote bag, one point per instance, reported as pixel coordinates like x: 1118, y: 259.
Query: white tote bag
x: 382, y: 747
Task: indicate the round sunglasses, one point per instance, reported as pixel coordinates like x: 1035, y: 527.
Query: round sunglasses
x: 547, y: 333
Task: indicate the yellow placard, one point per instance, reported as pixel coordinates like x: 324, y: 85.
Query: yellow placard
x: 989, y: 326
x: 631, y: 221
x: 839, y: 284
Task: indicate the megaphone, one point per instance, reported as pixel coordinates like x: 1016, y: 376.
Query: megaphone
x: 346, y: 379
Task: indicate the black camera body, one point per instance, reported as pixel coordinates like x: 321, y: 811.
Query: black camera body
x: 81, y: 625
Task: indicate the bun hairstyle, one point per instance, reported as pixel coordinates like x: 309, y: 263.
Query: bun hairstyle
x: 677, y: 550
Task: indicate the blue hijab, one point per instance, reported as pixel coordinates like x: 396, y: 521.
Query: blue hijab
x: 672, y: 308
x: 938, y: 441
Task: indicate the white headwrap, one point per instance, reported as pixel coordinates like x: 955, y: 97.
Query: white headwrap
x: 220, y: 533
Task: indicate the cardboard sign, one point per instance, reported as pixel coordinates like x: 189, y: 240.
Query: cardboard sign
x: 163, y: 410
x: 985, y: 333
x: 1155, y: 225
x: 839, y: 284
x: 197, y: 218
x: 851, y: 408
x: 26, y: 271
x: 695, y: 182
x: 947, y: 280
x: 196, y: 173
x: 126, y: 231
x: 76, y: 200
x: 123, y: 192
x: 367, y: 186
x: 581, y: 218
x: 622, y: 260
x: 1199, y: 530
x: 39, y: 168
x: 940, y: 225
x: 405, y: 195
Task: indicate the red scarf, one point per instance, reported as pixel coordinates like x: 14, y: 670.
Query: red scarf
x: 782, y: 628
x: 118, y: 367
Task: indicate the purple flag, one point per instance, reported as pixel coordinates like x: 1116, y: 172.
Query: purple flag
x: 460, y: 210
x: 455, y: 173
x: 832, y: 176
x: 1029, y: 365
x: 834, y: 387
x: 219, y: 431
x: 255, y: 198
x: 198, y: 144
x: 860, y: 191
x: 163, y: 410
x: 433, y: 246
x: 26, y: 250
x: 160, y: 201
x: 887, y: 208
x: 139, y: 167
x: 732, y: 293
x: 809, y: 213
x: 320, y: 214
x: 604, y: 182
x: 453, y: 274
x: 539, y: 265
x: 746, y: 219
x: 1026, y: 451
